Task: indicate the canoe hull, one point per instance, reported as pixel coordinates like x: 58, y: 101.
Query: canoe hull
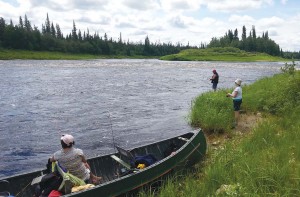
x: 192, y: 148
x: 192, y: 152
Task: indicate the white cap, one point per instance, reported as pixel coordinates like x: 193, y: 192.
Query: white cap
x: 67, y: 139
x: 238, y: 81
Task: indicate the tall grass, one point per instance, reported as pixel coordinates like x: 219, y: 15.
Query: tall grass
x: 273, y: 95
x: 266, y: 162
x: 212, y: 111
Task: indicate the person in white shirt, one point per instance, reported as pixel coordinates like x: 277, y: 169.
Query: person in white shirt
x: 236, y: 96
x: 74, y: 160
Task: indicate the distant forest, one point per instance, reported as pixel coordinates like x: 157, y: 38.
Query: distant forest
x: 27, y: 37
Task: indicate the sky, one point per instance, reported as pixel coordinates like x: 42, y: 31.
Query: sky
x: 185, y: 21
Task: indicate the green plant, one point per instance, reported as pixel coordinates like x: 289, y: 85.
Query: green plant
x: 289, y: 68
x: 212, y: 111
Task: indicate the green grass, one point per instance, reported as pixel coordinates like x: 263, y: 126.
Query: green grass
x: 212, y: 111
x: 220, y: 54
x: 276, y: 95
x: 47, y: 55
x: 210, y: 54
x: 266, y: 161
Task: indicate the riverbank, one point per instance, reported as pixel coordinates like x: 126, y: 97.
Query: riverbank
x: 221, y: 54
x: 261, y: 156
x: 47, y: 55
x: 211, y: 54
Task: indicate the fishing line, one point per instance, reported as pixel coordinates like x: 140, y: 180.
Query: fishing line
x: 112, y: 131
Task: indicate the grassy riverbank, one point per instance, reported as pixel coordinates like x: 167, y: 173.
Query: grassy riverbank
x: 262, y: 161
x: 220, y: 54
x: 211, y: 54
x: 47, y: 55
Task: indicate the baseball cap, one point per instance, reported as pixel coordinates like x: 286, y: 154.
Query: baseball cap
x: 67, y: 139
x: 238, y: 81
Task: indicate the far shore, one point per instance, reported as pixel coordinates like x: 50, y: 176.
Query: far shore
x: 8, y: 54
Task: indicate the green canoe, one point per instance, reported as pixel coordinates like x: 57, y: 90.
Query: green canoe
x: 189, y: 149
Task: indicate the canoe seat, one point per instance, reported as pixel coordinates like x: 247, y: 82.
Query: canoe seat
x: 120, y: 161
x: 37, y: 180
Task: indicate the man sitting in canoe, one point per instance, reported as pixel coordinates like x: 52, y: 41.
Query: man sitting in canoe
x: 74, y: 160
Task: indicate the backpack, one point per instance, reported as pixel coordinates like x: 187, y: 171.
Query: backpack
x: 147, y: 160
x: 46, y: 184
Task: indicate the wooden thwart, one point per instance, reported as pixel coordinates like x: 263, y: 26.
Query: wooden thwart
x: 126, y: 165
x: 184, y: 139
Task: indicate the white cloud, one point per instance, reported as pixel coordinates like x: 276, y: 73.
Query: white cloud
x: 141, y: 5
x: 241, y: 20
x: 270, y: 22
x: 235, y: 5
x: 180, y: 5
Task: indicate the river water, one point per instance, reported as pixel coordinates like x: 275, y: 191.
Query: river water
x: 102, y: 103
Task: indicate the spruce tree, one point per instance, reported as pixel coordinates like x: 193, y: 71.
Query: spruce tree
x: 58, y: 32
x: 21, y: 24
x: 52, y: 31
x: 47, y: 25
x: 74, y: 32
x: 236, y: 35
x: 27, y: 24
x: 2, y: 29
x: 253, y: 32
x: 244, y: 34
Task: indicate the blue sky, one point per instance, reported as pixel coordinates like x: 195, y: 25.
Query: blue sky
x: 184, y: 21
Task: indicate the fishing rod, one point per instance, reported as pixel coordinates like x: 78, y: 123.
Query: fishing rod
x: 112, y: 131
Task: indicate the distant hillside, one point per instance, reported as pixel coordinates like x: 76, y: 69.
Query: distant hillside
x: 220, y: 54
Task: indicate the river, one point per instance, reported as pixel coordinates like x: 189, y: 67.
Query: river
x: 102, y: 103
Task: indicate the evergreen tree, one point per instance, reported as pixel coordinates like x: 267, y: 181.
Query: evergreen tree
x: 47, y: 25
x: 244, y: 34
x: 11, y: 24
x: 79, y: 35
x: 27, y: 24
x: 43, y: 29
x: 106, y: 46
x: 23, y: 36
x: 21, y: 24
x: 230, y: 35
x: 2, y: 29
x: 253, y: 32
x: 120, y: 39
x: 52, y: 30
x: 74, y: 32
x: 236, y: 35
x: 58, y: 32
x: 147, y: 48
x: 88, y: 34
x: 266, y: 35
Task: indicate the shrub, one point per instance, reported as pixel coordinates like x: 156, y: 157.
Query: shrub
x: 289, y: 68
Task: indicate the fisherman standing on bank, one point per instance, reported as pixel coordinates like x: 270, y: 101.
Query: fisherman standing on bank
x: 214, y: 80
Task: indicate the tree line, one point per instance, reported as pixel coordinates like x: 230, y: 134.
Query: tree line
x: 50, y: 38
x: 252, y: 43
x: 27, y: 37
